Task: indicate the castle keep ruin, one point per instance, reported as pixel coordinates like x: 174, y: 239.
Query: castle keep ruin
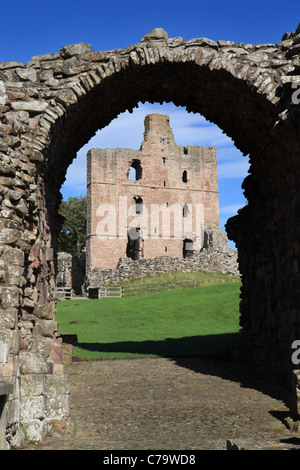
x: 162, y: 209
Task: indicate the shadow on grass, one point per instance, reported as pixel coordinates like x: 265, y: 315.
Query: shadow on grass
x: 208, y: 354
x: 189, y: 346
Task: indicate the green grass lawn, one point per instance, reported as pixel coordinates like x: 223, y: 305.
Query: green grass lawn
x: 199, y: 321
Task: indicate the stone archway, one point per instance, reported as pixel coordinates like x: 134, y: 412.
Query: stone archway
x: 54, y: 104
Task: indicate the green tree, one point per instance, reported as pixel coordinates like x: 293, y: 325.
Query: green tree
x: 72, y: 237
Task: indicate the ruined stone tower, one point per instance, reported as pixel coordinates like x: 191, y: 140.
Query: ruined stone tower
x: 156, y: 201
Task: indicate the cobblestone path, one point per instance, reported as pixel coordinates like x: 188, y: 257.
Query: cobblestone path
x: 180, y: 404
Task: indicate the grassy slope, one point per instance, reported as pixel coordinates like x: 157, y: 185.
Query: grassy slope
x: 184, y: 322
x: 202, y: 278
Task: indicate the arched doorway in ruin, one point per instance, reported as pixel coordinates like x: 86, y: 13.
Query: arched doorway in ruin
x: 245, y: 89
x: 188, y: 248
x: 133, y: 243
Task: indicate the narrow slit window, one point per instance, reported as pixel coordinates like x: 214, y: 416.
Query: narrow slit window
x: 184, y: 176
x: 138, y: 205
x: 185, y: 210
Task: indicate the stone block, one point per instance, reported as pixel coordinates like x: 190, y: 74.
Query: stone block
x: 33, y: 363
x: 202, y: 42
x: 13, y: 256
x: 58, y: 369
x: 43, y: 327
x: 32, y: 407
x: 35, y: 250
x: 56, y: 385
x: 30, y: 106
x: 8, y: 318
x: 41, y: 345
x: 56, y: 354
x: 15, y: 342
x: 14, y: 275
x: 27, y: 74
x: 34, y: 430
x: 43, y: 57
x: 75, y: 49
x: 67, y: 350
x: 45, y: 311
x: 176, y: 42
x: 9, y: 65
x: 9, y: 236
x: 157, y: 34
x: 31, y: 385
x: 36, y: 156
x: 57, y: 407
x: 9, y: 297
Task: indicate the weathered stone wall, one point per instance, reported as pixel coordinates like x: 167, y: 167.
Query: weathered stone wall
x: 52, y: 105
x: 161, y: 187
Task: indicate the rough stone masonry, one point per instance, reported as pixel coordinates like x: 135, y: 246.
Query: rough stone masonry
x: 52, y: 105
x: 156, y: 201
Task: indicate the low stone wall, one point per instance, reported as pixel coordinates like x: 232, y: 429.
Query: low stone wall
x: 64, y: 270
x: 210, y: 260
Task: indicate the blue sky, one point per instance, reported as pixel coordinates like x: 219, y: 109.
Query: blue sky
x: 31, y: 28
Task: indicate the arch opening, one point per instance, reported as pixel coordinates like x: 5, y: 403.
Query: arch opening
x: 136, y: 171
x: 188, y: 248
x: 163, y: 83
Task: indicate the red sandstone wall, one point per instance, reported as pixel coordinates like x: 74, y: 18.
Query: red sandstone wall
x: 161, y: 187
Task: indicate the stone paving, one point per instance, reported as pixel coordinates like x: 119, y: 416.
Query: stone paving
x: 179, y: 404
